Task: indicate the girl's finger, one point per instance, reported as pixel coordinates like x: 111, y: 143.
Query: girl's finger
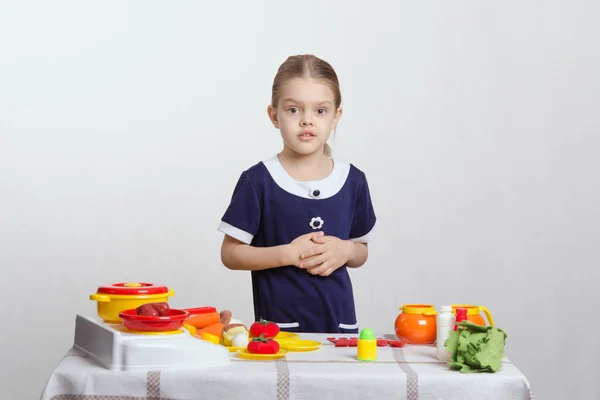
x: 328, y: 272
x: 322, y: 239
x: 312, y: 252
x: 313, y: 262
x: 318, y: 270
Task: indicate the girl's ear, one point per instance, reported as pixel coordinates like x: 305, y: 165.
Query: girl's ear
x: 272, y: 112
x: 336, y: 118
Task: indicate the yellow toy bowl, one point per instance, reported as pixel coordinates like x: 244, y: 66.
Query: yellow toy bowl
x: 118, y: 297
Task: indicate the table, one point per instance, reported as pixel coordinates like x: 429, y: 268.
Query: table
x: 411, y: 372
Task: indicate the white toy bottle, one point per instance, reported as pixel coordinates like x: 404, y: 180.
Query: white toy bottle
x: 445, y: 321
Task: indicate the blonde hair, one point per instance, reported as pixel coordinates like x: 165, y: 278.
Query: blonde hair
x: 307, y: 65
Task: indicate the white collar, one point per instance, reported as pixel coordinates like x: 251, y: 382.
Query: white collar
x: 321, y: 189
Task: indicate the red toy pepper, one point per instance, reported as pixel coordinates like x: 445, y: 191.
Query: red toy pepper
x: 397, y: 343
x: 263, y: 345
x: 263, y: 327
x: 353, y: 342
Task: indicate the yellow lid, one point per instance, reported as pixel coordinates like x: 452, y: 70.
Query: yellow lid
x: 420, y: 309
x: 471, y: 310
x: 132, y: 284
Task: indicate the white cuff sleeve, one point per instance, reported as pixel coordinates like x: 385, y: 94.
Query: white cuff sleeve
x: 368, y: 237
x: 236, y: 233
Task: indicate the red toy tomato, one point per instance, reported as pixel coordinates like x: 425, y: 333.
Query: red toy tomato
x: 263, y: 345
x: 266, y: 328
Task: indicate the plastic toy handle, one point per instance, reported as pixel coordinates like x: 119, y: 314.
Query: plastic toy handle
x: 487, y: 314
x: 200, y: 310
x: 100, y: 297
x: 191, y: 329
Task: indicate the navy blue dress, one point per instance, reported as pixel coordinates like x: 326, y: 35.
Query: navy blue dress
x: 270, y: 208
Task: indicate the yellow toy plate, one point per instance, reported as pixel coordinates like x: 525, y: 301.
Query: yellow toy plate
x: 286, y: 335
x: 244, y: 353
x: 299, y: 345
x: 234, y: 349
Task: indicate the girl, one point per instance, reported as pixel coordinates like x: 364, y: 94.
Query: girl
x: 299, y: 219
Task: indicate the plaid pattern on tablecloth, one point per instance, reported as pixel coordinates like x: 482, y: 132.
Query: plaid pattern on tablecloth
x: 408, y: 373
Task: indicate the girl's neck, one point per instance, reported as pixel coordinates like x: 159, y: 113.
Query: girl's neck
x: 310, y: 167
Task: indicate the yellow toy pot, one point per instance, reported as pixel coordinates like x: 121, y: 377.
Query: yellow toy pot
x: 113, y: 299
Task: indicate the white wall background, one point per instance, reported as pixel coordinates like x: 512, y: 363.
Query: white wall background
x: 124, y: 126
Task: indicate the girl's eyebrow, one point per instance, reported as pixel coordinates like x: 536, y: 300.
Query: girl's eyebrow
x: 291, y: 100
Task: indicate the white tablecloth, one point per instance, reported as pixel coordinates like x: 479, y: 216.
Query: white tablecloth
x: 412, y: 372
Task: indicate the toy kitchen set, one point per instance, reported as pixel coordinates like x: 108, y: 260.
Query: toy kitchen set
x: 135, y: 329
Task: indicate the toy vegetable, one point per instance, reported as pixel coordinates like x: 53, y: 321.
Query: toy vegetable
x: 232, y: 330
x: 240, y: 340
x: 263, y: 327
x: 210, y: 322
x: 476, y: 348
x: 263, y: 345
x: 153, y: 309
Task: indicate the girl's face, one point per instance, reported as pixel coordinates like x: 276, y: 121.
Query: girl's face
x: 306, y: 114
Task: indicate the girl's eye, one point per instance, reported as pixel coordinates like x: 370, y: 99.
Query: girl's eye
x: 293, y: 110
x: 321, y: 111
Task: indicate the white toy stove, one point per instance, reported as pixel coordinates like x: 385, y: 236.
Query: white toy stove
x: 113, y: 347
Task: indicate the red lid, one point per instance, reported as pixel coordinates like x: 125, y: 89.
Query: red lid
x: 133, y: 288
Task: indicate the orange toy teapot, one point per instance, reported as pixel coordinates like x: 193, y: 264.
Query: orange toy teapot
x: 416, y: 324
x: 474, y: 313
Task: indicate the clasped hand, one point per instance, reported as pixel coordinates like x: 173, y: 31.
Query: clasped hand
x: 320, y: 254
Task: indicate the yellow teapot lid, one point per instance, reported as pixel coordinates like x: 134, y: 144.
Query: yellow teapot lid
x: 419, y: 309
x: 471, y: 309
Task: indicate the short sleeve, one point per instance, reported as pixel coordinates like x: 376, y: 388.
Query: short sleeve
x: 242, y: 217
x: 364, y: 222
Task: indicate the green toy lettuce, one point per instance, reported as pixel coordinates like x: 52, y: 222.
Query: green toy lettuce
x: 476, y: 348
